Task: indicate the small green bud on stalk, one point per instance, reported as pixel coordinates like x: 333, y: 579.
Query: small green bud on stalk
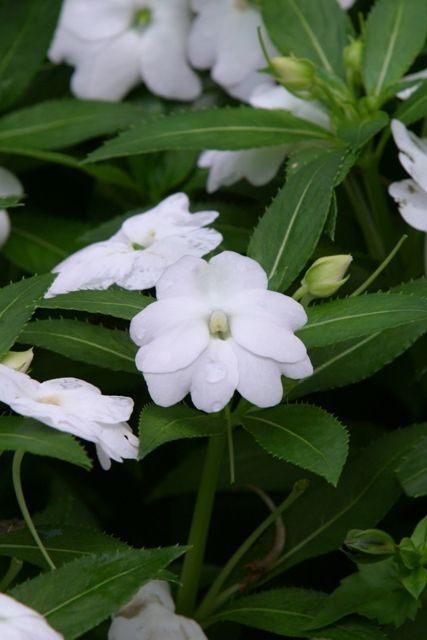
x: 370, y: 541
x: 324, y: 277
x: 18, y: 360
x: 353, y: 55
x: 293, y: 73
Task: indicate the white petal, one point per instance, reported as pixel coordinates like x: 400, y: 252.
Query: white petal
x: 266, y: 339
x: 185, y: 278
x: 278, y: 97
x: 163, y: 316
x: 97, y: 19
x: 145, y: 271
x: 215, y: 377
x: 232, y: 273
x: 97, y: 266
x: 259, y: 378
x: 111, y: 71
x: 4, y: 227
x: 174, y: 349
x: 17, y: 621
x: 412, y: 201
x: 406, y: 93
x: 163, y: 63
x: 270, y: 306
x: 67, y: 47
x: 203, y: 37
x: 413, y: 156
x: 346, y: 4
x: 166, y: 389
x: 9, y: 184
x: 118, y: 442
x: 15, y: 385
x: 297, y: 370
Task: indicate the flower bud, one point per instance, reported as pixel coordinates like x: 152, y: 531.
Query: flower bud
x: 324, y: 277
x: 18, y: 360
x: 353, y: 55
x: 370, y: 541
x: 293, y: 73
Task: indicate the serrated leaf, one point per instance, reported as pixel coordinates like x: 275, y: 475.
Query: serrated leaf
x: 62, y: 123
x: 93, y: 344
x: 38, y: 243
x: 288, y: 232
x: 395, y: 33
x: 63, y: 544
x: 288, y: 612
x: 116, y: 302
x: 24, y: 434
x: 20, y: 52
x: 78, y: 596
x: 412, y: 473
x: 18, y: 302
x: 304, y: 435
x: 347, y: 318
x: 320, y: 519
x: 228, y: 129
x: 359, y: 133
x: 158, y: 425
x: 415, y: 107
x: 315, y: 30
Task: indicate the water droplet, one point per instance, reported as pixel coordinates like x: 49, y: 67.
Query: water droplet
x: 217, y: 406
x: 215, y: 372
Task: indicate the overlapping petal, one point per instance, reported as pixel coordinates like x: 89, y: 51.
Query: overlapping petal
x: 19, y: 622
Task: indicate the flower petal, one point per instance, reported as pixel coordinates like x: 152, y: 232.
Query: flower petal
x: 278, y: 97
x: 15, y: 384
x: 163, y: 316
x: 166, y: 389
x: 9, y: 184
x: 17, y: 621
x: 185, y: 278
x: 215, y: 377
x: 232, y: 272
x: 297, y: 370
x: 203, y: 37
x: 97, y: 19
x: 268, y: 305
x: 412, y: 201
x: 413, y: 156
x: 259, y: 378
x: 118, y: 442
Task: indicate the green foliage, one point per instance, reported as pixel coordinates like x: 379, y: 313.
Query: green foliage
x: 358, y: 133
x: 415, y: 107
x: 304, y: 435
x: 158, y: 425
x: 412, y: 473
x: 23, y: 434
x: 116, y: 302
x: 83, y: 593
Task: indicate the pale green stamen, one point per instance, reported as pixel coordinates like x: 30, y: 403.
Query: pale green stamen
x: 141, y: 18
x: 218, y: 324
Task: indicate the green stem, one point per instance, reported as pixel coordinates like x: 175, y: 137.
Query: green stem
x: 17, y: 484
x: 378, y: 202
x: 191, y: 570
x: 213, y: 596
x: 381, y: 268
x: 363, y: 213
x: 230, y: 442
x: 15, y: 567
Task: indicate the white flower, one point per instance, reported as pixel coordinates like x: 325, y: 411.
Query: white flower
x: 74, y: 406
x: 346, y: 4
x: 259, y: 166
x: 411, y: 194
x: 116, y: 44
x: 137, y: 255
x: 224, y: 39
x: 9, y: 186
x: 214, y: 329
x: 415, y: 77
x: 19, y: 622
x: 150, y: 616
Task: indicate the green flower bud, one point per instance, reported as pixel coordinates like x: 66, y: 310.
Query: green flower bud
x: 370, y: 541
x: 353, y: 55
x: 18, y: 360
x: 293, y: 73
x: 324, y: 277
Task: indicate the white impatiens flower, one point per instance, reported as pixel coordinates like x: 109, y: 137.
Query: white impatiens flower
x: 74, y: 406
x: 259, y: 166
x: 150, y: 615
x: 136, y: 256
x: 117, y: 44
x: 9, y: 186
x: 19, y: 622
x: 224, y: 39
x: 216, y: 328
x: 411, y: 194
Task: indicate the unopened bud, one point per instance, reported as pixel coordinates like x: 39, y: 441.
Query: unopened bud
x: 18, y: 360
x: 293, y: 73
x: 353, y: 55
x: 370, y: 541
x: 324, y: 277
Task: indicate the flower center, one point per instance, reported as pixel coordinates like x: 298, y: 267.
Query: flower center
x: 147, y: 241
x: 218, y: 325
x: 52, y: 399
x: 141, y: 19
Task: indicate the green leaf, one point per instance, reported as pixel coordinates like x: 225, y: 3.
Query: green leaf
x: 340, y: 320
x: 62, y: 123
x: 78, y: 596
x: 287, y: 234
x: 319, y: 520
x: 26, y: 29
x: 359, y: 133
x: 10, y: 201
x: 415, y: 107
x: 38, y: 243
x: 315, y: 30
x: 18, y: 302
x: 288, y: 612
x: 394, y: 35
x: 412, y: 473
x: 63, y: 544
x: 93, y: 344
x: 115, y: 302
x: 304, y: 435
x: 375, y: 591
x: 158, y: 425
x: 24, y: 434
x: 240, y: 128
